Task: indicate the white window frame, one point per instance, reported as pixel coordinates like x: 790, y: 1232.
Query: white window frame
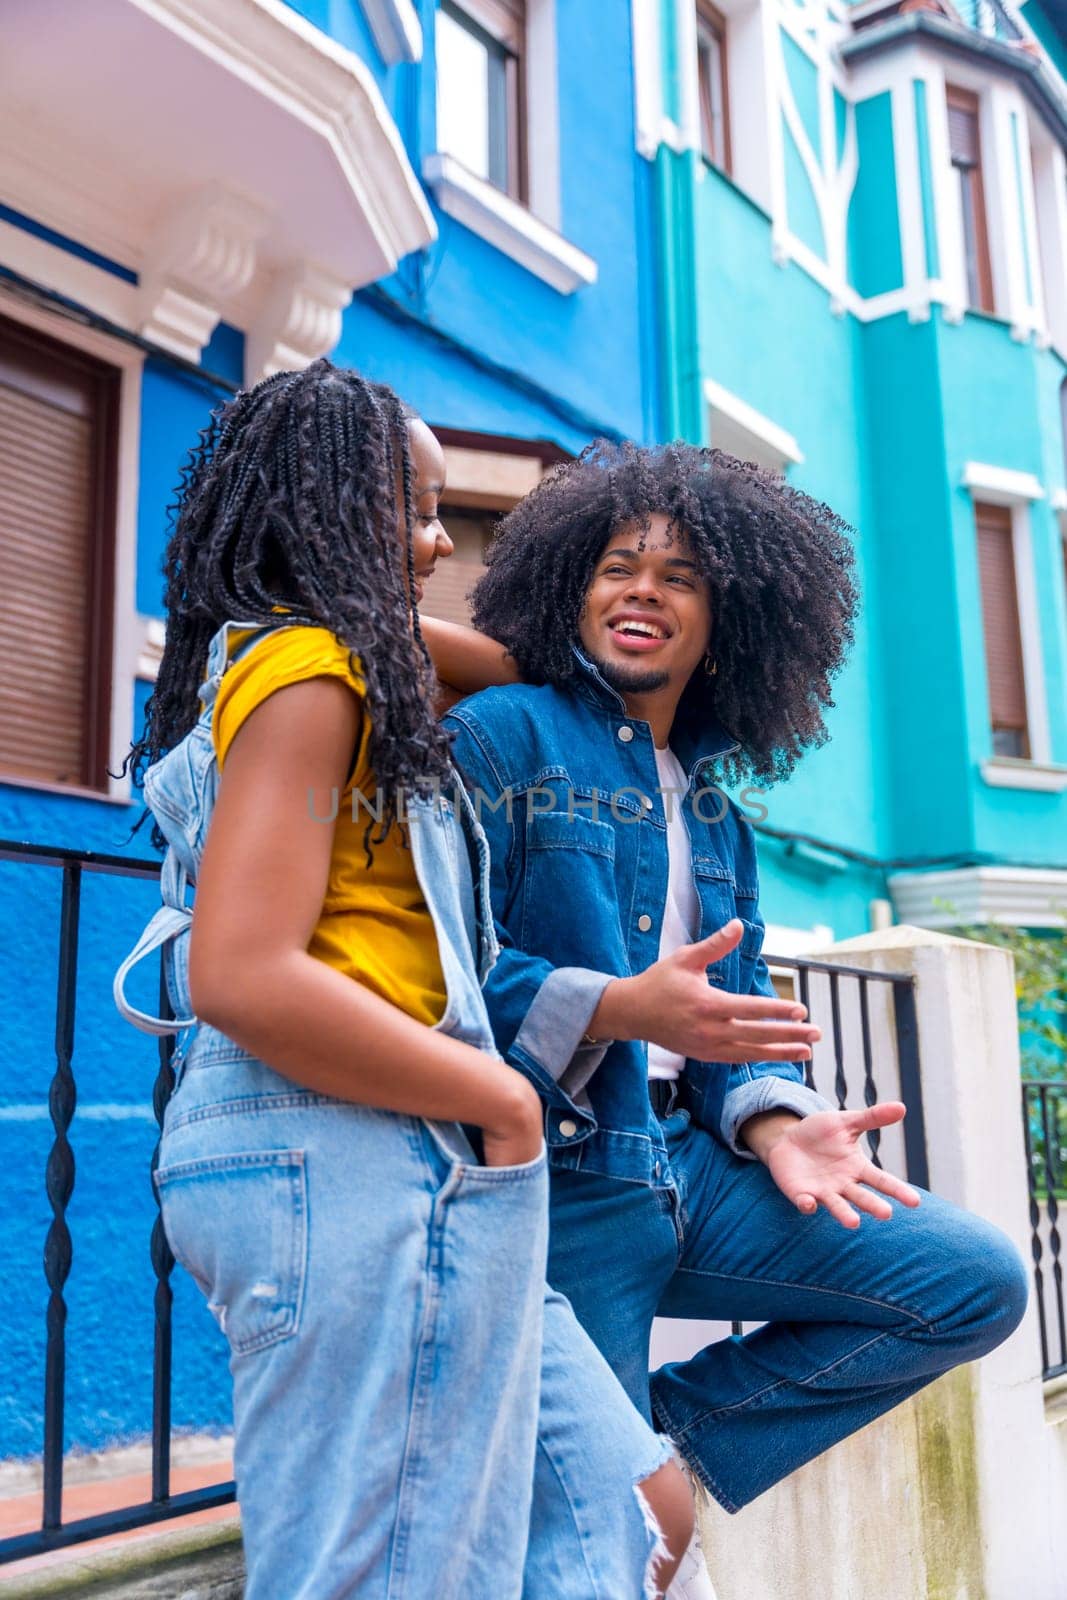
x: 742, y: 431
x: 130, y: 629
x: 529, y: 234
x: 1003, y: 486
x: 1050, y: 212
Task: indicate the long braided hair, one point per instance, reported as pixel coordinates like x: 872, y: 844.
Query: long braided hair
x: 780, y: 567
x: 290, y: 499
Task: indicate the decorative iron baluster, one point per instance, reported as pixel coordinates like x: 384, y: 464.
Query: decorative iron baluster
x: 805, y: 1000
x: 1052, y: 1177
x: 162, y: 1266
x: 59, y: 1184
x: 911, y: 1087
x: 840, y: 1081
x: 1032, y: 1162
x: 870, y: 1092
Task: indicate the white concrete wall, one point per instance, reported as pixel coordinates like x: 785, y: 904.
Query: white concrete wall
x: 961, y: 1494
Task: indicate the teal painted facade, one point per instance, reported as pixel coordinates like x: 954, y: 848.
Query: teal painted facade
x: 836, y: 342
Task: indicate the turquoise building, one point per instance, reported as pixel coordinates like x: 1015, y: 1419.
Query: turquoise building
x: 862, y: 233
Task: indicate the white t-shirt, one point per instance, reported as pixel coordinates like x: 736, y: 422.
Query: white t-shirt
x: 681, y: 913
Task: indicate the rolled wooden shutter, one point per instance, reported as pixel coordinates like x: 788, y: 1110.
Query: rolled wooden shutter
x: 1000, y: 618
x: 55, y: 590
x: 963, y: 127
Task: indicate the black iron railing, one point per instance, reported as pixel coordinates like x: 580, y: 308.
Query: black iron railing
x: 901, y: 987
x: 60, y: 1177
x: 1045, y: 1125
x: 58, y: 1250
x: 831, y: 1077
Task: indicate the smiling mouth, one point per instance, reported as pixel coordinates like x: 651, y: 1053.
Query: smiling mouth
x: 639, y: 635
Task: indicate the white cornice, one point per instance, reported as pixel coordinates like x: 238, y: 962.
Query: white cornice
x: 1001, y: 486
x: 396, y: 28
x: 770, y: 439
x: 299, y: 319
x: 507, y: 225
x: 318, y: 186
x: 971, y: 896
x: 1009, y: 772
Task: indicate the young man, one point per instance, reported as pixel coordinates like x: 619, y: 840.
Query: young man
x: 678, y: 618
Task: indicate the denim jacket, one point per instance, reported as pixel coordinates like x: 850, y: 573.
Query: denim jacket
x: 567, y: 790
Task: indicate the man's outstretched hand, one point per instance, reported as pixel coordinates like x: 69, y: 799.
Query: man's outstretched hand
x: 819, y: 1160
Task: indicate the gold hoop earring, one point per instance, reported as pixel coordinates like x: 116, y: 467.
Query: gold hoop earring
x: 711, y: 666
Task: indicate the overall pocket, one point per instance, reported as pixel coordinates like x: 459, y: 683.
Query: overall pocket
x: 442, y: 1148
x: 238, y: 1225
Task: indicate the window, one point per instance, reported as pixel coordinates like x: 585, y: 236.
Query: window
x: 1003, y: 636
x: 486, y: 475
x: 58, y: 434
x: 481, y: 90
x: 966, y: 153
x: 713, y: 85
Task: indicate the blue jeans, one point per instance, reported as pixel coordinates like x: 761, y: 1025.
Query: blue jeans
x: 854, y: 1322
x: 415, y: 1415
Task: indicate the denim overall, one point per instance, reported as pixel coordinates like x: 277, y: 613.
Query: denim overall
x: 416, y: 1414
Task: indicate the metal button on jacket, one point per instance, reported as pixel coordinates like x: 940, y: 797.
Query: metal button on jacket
x: 646, y: 801
x: 626, y: 734
x: 568, y: 1128
x: 644, y: 922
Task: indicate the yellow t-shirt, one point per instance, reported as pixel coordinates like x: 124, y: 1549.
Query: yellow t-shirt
x: 375, y: 924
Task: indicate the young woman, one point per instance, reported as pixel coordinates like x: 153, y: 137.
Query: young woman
x: 415, y: 1414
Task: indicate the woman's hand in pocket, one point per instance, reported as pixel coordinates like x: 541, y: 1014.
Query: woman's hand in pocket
x: 513, y: 1133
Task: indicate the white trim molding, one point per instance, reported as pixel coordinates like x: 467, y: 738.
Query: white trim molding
x: 152, y: 645
x: 1000, y: 486
x: 1027, y: 897
x: 1011, y: 772
x: 742, y: 431
x: 318, y: 186
x: 509, y: 226
x: 396, y: 28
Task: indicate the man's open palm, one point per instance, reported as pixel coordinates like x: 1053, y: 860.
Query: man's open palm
x: 819, y: 1160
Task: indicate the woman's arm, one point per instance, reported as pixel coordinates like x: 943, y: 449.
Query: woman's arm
x: 260, y: 893
x: 464, y: 659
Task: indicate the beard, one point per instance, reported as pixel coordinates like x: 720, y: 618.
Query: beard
x: 630, y: 680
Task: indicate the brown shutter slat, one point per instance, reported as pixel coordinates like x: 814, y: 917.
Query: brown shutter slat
x: 56, y: 446
x: 447, y: 591
x: 963, y: 134
x: 1000, y: 618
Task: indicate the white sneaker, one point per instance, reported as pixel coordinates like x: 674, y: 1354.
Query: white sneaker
x: 691, y: 1581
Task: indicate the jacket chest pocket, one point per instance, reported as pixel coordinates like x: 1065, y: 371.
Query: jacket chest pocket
x: 569, y: 891
x: 721, y: 899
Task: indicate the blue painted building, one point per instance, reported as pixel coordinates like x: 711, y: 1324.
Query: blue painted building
x: 831, y: 239
x: 192, y: 196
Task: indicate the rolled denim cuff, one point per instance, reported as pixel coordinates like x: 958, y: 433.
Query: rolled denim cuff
x: 766, y: 1093
x: 556, y: 1023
